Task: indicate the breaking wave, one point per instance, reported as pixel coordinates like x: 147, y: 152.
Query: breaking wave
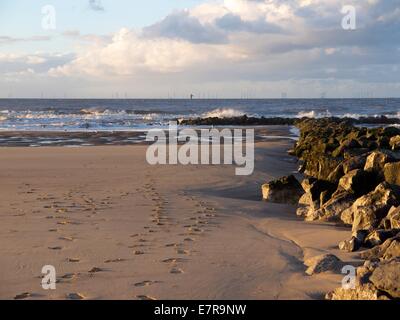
x: 223, y: 113
x: 313, y: 114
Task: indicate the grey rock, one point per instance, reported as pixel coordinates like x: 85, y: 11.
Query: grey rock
x: 391, y: 172
x: 386, y: 277
x: 285, y: 190
x: 323, y: 263
x: 363, y: 292
x: 370, y: 209
x: 395, y: 142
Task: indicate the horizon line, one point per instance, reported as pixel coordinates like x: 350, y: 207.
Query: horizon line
x: 205, y: 99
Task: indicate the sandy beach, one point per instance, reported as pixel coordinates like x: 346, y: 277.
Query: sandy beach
x: 216, y: 150
x: 115, y: 227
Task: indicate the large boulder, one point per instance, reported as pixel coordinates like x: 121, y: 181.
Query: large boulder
x: 354, y: 163
x: 284, y: 190
x: 379, y: 252
x: 377, y: 237
x: 392, y: 220
x: 390, y: 131
x: 354, y: 243
x: 386, y: 277
x: 333, y: 208
x: 350, y: 245
x: 322, y: 166
x: 377, y: 159
x: 358, y: 182
x: 316, y: 194
x: 307, y: 205
x: 323, y: 263
x: 395, y: 142
x: 336, y: 174
x: 362, y: 292
x: 393, y: 250
x: 392, y: 173
x: 368, y: 210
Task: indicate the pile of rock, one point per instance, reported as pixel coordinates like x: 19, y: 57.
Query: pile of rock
x: 254, y: 121
x: 353, y: 177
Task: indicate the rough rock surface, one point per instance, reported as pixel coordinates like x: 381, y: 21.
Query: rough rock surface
x: 386, y: 277
x: 395, y: 142
x: 284, y: 190
x: 392, y: 220
x: 391, y: 172
x: 364, y: 292
x: 323, y: 263
x: 368, y: 210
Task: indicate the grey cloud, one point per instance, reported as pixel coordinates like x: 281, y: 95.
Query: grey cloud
x: 9, y: 40
x: 232, y: 23
x: 181, y: 25
x: 96, y: 5
x: 76, y: 34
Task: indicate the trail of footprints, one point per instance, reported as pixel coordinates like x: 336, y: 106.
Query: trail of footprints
x: 65, y: 212
x: 71, y: 208
x: 189, y: 229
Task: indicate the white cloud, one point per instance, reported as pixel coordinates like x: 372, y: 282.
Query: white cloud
x: 237, y: 40
x: 129, y: 53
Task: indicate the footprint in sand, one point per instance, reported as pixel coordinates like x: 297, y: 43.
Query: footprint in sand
x: 138, y: 253
x: 143, y: 297
x: 67, y: 238
x: 170, y: 245
x: 95, y: 270
x: 193, y: 229
x: 69, y: 276
x: 176, y: 271
x: 146, y: 283
x: 75, y: 296
x: 55, y: 248
x: 181, y: 251
x: 114, y: 261
x: 173, y: 260
x: 22, y: 296
x: 137, y: 246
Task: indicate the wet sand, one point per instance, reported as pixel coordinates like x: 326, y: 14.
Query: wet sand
x: 115, y: 227
x: 113, y: 138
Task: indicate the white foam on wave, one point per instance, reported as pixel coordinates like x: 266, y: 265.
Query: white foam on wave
x: 396, y: 116
x: 99, y: 112
x: 313, y: 114
x: 327, y: 114
x: 223, y: 113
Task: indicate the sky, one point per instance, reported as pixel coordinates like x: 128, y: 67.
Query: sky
x: 211, y: 48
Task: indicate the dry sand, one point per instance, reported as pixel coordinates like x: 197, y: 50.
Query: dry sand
x: 163, y: 232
